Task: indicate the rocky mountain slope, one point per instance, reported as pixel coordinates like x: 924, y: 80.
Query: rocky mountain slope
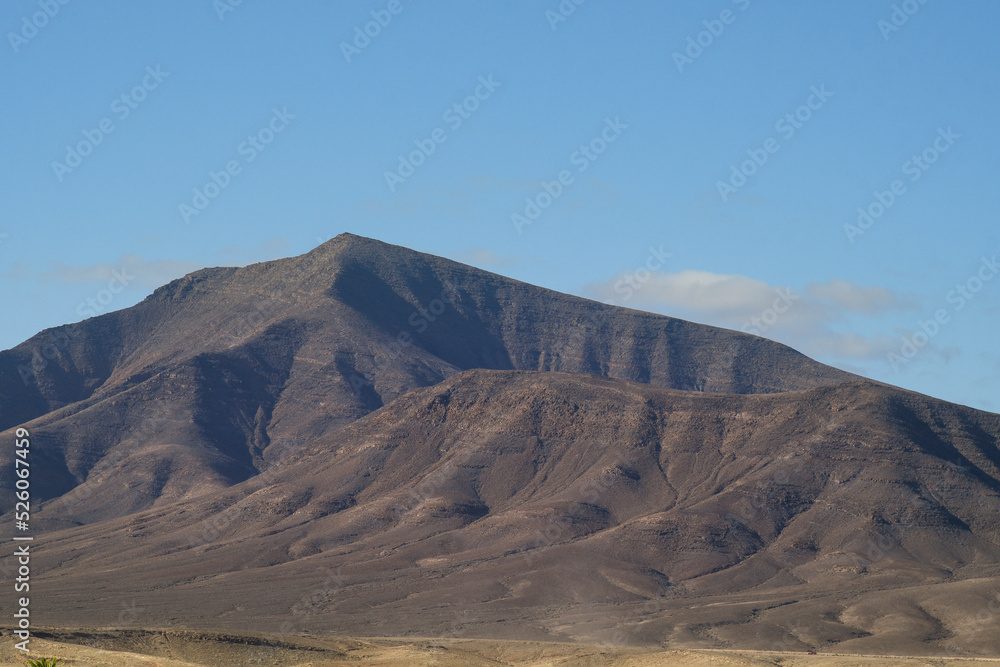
x: 566, y: 506
x: 366, y: 440
x: 205, y: 382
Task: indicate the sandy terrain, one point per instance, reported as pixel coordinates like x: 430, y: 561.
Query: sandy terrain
x: 169, y: 649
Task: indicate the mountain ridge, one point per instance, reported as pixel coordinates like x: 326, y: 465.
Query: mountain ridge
x: 290, y: 349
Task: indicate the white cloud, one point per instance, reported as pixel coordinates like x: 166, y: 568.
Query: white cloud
x: 706, y: 291
x: 722, y: 299
x: 852, y: 346
x: 852, y: 297
x: 804, y: 319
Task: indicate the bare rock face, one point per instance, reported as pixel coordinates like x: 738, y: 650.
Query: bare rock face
x: 369, y: 440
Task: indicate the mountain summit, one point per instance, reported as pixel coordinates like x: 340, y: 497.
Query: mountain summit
x: 205, y: 382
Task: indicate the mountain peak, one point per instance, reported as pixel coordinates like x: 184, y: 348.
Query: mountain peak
x: 348, y: 242
x: 295, y: 348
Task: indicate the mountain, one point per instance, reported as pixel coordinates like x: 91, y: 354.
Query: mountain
x: 574, y: 507
x: 208, y: 380
x: 366, y: 440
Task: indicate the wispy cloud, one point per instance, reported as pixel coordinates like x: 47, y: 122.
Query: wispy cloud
x: 140, y: 272
x: 845, y: 345
x: 855, y: 298
x: 133, y: 270
x: 724, y: 294
x: 805, y: 318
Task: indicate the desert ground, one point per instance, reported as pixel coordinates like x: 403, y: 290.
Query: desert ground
x: 206, y: 649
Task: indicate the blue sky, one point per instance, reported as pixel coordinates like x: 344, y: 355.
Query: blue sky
x: 725, y: 145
